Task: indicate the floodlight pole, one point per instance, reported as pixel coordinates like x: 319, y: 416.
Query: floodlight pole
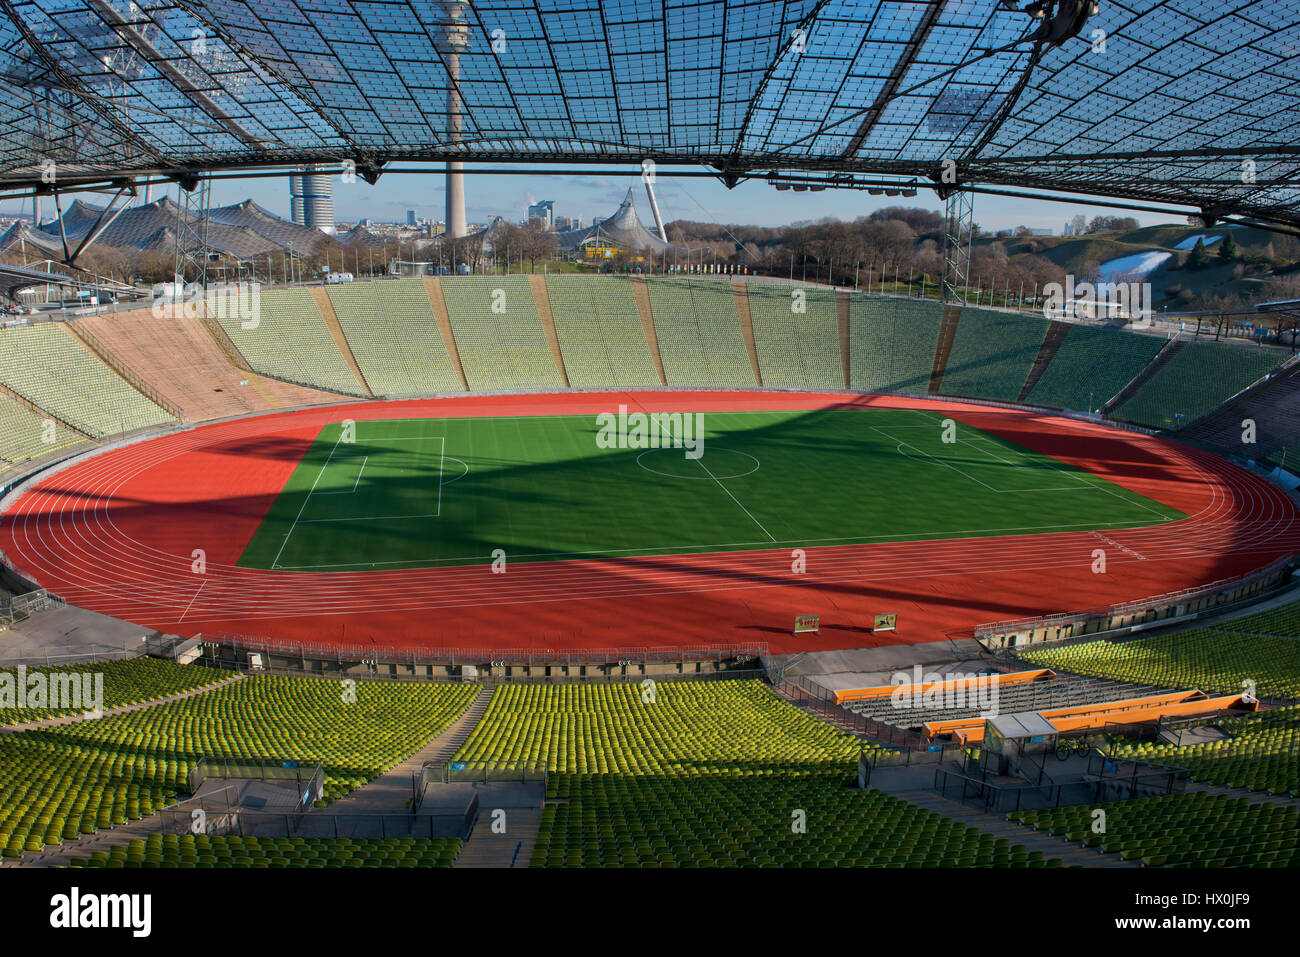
x: 194, y: 200
x: 957, y: 242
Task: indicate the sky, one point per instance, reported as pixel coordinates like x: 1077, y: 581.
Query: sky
x: 596, y: 194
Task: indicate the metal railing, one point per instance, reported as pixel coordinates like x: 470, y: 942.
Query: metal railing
x: 15, y: 608
x: 990, y: 631
x: 494, y: 657
x: 223, y: 767
x: 821, y: 701
x: 50, y: 661
x: 219, y: 819
x: 474, y: 772
x: 132, y: 379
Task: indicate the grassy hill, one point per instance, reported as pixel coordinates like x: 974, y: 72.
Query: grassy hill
x: 1076, y: 253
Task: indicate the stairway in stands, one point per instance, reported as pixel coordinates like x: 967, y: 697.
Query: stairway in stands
x: 503, y: 836
x: 1126, y: 393
x: 451, y: 740
x: 947, y: 333
x: 1073, y: 855
x: 391, y: 791
x: 1056, y: 334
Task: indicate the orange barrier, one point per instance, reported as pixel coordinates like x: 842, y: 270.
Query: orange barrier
x: 1139, y: 714
x: 885, y: 691
x: 1101, y: 713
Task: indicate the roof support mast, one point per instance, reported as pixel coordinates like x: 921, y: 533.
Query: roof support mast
x: 654, y: 207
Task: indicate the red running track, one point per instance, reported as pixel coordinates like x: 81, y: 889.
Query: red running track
x: 115, y: 533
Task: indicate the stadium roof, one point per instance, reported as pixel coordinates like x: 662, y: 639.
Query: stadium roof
x: 1184, y: 101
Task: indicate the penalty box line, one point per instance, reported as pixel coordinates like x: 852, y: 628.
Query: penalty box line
x: 298, y: 519
x: 275, y: 561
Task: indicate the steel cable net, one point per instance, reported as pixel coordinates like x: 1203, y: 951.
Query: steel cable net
x: 1182, y: 101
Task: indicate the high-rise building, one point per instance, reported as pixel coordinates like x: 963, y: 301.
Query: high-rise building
x: 410, y: 217
x: 545, y: 211
x: 311, y: 199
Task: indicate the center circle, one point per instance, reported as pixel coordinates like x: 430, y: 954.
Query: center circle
x: 716, y: 464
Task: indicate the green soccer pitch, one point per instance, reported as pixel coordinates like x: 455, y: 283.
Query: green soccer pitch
x: 410, y: 493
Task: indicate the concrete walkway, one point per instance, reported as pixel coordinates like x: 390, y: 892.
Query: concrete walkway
x: 122, y: 709
x: 1254, y: 797
x: 391, y: 792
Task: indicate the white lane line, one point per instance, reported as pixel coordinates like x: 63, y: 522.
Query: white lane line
x: 191, y: 604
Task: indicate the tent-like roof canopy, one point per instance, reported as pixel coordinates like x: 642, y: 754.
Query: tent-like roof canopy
x: 622, y: 229
x: 242, y: 230
x: 1185, y: 101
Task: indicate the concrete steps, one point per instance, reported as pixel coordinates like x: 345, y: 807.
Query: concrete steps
x: 1173, y: 347
x: 391, y: 791
x: 943, y: 348
x: 459, y: 732
x: 1056, y: 334
x: 514, y: 848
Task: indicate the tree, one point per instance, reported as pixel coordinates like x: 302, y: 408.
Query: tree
x: 1228, y: 248
x: 1199, y: 258
x: 1108, y: 224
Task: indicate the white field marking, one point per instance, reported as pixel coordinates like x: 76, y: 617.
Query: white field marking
x: 936, y: 461
x: 276, y: 560
x: 999, y: 491
x: 1102, y: 488
x: 699, y: 478
x: 1078, y: 476
x: 359, y: 518
x: 1056, y: 467
x: 191, y: 604
x: 354, y: 484
x: 671, y: 550
x: 700, y: 463
x: 386, y: 518
x: 442, y: 455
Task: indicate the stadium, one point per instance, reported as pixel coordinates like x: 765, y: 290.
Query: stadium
x: 469, y: 561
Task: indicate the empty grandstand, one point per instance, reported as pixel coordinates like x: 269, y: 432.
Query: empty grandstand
x: 1091, y: 366
x: 1194, y: 381
x: 992, y: 354
x: 796, y: 334
x: 48, y: 367
x: 288, y: 339
x: 699, y: 334
x: 499, y: 334
x: 892, y: 344
x: 391, y: 330
x: 601, y: 334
